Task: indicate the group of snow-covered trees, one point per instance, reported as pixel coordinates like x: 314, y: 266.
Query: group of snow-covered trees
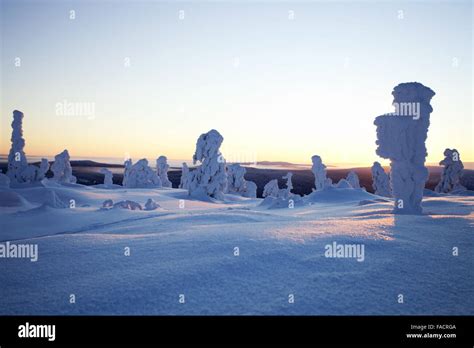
x: 400, y: 139
x: 20, y: 172
x: 211, y: 178
x: 141, y: 175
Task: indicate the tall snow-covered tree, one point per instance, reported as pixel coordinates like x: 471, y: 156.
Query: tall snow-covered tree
x: 17, y: 162
x: 127, y: 166
x: 162, y: 171
x: 184, y: 181
x: 108, y: 177
x: 209, y: 178
x: 319, y: 172
x: 401, y: 138
x: 271, y: 189
x: 18, y: 170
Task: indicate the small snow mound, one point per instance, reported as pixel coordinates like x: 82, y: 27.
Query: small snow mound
x: 462, y: 192
x: 338, y: 195
x: 151, y: 204
x: 372, y: 201
x: 108, y: 204
x: 9, y: 198
x: 271, y: 202
x: 130, y: 205
x: 4, y: 181
x: 52, y: 200
x: 430, y: 193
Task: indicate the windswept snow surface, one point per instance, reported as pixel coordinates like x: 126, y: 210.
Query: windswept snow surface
x: 186, y: 246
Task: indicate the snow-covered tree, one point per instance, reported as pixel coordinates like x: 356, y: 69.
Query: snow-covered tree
x: 286, y: 193
x: 237, y: 184
x: 402, y: 140
x: 251, y: 189
x: 17, y: 162
x: 380, y: 181
x: 184, y: 182
x: 140, y: 175
x: 108, y: 177
x: 210, y: 178
x: 235, y: 178
x: 18, y: 170
x: 319, y: 171
x: 43, y: 169
x: 127, y: 166
x: 162, y: 171
x: 353, y: 179
x: 62, y: 169
x: 271, y: 189
x: 452, y: 172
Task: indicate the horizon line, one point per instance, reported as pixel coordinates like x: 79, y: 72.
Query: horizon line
x: 346, y: 164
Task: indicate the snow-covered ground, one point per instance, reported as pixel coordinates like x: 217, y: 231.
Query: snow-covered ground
x: 190, y: 250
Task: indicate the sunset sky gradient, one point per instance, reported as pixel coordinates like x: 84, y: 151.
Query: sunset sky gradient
x: 277, y: 87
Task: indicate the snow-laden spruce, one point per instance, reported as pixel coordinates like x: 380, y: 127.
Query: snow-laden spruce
x: 401, y: 138
x: 184, y: 181
x: 162, y: 171
x: 140, y: 175
x: 380, y: 181
x: 319, y: 171
x: 17, y: 162
x: 209, y: 179
x: 251, y: 189
x: 127, y: 166
x: 43, y: 169
x: 271, y: 189
x: 61, y: 168
x: 452, y: 173
x: 353, y: 179
x: 236, y: 183
x: 19, y: 171
x: 108, y: 177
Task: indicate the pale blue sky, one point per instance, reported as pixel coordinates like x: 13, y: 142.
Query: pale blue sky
x: 278, y: 88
